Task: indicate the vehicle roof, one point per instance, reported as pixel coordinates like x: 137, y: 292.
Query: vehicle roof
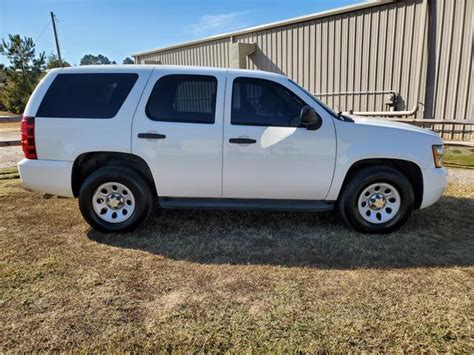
x: 131, y: 68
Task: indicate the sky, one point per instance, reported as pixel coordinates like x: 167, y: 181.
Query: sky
x: 120, y: 28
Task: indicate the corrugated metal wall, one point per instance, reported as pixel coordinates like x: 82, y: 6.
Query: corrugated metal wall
x: 450, y: 70
x: 369, y: 49
x: 212, y: 53
x: 375, y: 48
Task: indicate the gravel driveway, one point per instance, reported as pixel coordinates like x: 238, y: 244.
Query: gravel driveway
x: 461, y: 176
x: 9, y: 156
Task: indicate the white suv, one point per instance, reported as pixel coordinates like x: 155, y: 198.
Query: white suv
x: 119, y: 136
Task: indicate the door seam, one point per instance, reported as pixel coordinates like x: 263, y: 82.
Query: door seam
x: 335, y: 159
x: 223, y: 131
x: 136, y: 108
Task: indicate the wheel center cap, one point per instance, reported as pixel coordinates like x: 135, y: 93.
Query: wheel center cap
x: 377, y: 201
x: 114, y: 200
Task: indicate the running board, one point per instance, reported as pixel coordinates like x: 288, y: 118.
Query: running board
x: 246, y: 204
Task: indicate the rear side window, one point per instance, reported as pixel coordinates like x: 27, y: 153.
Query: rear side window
x: 260, y: 102
x: 183, y: 98
x: 86, y: 95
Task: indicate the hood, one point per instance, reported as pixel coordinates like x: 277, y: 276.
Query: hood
x: 391, y: 124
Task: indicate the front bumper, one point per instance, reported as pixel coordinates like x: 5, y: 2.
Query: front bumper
x: 48, y: 176
x: 435, y: 181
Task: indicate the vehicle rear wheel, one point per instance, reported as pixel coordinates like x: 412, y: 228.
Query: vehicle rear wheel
x: 377, y: 200
x: 115, y: 199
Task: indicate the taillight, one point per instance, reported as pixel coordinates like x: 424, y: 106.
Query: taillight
x: 28, y: 137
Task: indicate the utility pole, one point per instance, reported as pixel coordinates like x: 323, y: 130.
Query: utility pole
x: 53, y: 20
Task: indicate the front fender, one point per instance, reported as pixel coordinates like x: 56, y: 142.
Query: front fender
x: 362, y: 141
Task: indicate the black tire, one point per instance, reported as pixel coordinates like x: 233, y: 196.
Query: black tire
x: 139, y: 187
x: 348, y: 202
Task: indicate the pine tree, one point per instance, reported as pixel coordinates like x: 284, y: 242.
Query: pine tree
x: 24, y: 72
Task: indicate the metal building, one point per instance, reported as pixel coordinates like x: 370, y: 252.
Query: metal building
x: 410, y: 58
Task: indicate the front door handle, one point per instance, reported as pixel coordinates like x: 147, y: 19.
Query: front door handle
x: 151, y: 135
x: 242, y: 140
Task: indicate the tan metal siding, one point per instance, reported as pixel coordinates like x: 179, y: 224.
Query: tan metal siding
x: 344, y: 53
x: 374, y: 48
x: 453, y: 90
x: 213, y: 53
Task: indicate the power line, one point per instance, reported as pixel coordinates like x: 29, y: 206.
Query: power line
x: 44, y: 29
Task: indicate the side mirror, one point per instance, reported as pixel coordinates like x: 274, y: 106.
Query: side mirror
x: 310, y: 118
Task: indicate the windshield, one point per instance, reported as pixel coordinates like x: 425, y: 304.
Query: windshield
x: 322, y: 104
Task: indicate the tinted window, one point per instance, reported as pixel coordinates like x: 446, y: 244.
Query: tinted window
x: 260, y: 102
x: 86, y: 95
x: 183, y: 98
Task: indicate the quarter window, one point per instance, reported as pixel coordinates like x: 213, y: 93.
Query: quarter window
x: 260, y: 102
x: 183, y: 98
x: 86, y: 95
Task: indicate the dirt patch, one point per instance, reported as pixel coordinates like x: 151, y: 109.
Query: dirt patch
x: 10, y: 126
x: 7, y: 114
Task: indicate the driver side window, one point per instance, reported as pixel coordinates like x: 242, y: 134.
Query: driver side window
x: 260, y: 102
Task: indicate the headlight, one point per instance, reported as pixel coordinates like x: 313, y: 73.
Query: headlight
x: 438, y: 155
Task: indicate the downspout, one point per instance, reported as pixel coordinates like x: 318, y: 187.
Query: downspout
x: 421, y: 44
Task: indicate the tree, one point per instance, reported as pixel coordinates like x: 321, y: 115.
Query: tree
x: 128, y: 60
x: 3, y: 70
x: 24, y: 72
x: 53, y: 62
x: 90, y: 59
x: 3, y: 78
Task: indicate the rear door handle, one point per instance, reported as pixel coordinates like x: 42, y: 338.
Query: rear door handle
x: 151, y: 135
x: 242, y: 141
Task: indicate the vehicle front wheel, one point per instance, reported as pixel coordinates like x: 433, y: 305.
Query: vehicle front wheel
x: 115, y: 199
x: 377, y: 200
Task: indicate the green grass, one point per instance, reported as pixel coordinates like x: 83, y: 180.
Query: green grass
x: 459, y: 156
x: 233, y: 281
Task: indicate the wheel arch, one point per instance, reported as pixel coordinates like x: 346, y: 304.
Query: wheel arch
x: 408, y: 168
x: 87, y: 163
